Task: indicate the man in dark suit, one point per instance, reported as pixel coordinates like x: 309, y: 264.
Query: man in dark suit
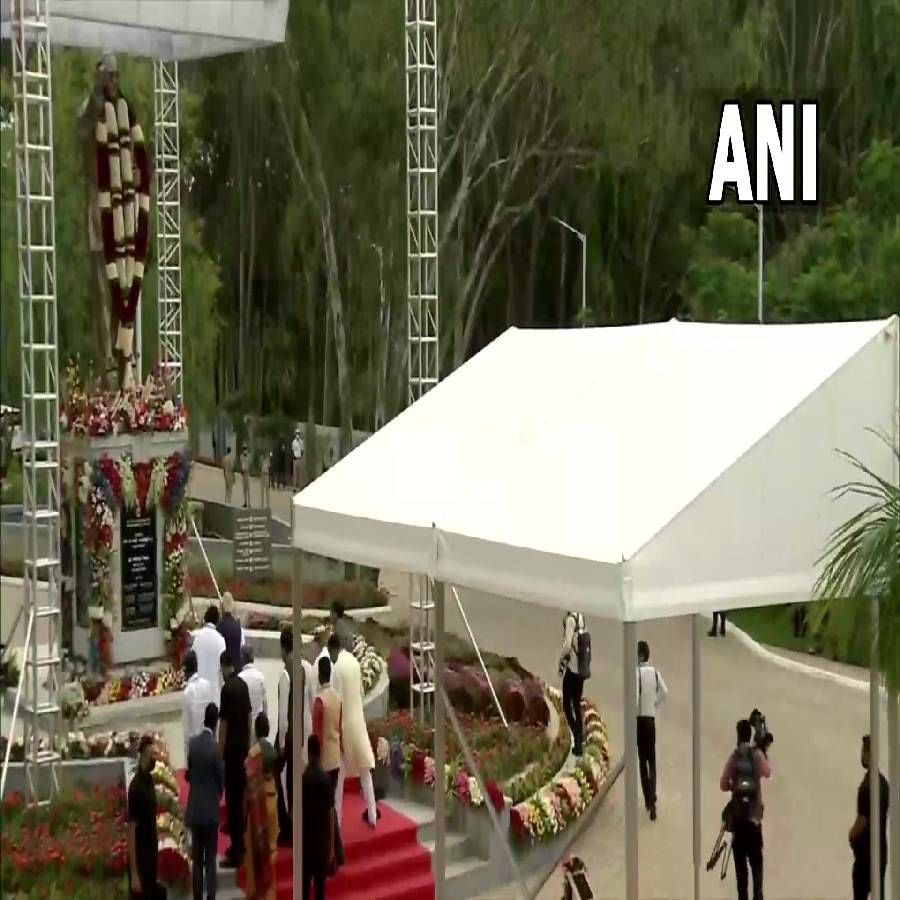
x: 318, y: 822
x: 234, y: 742
x: 206, y: 777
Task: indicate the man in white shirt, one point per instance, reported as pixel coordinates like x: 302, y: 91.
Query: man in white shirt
x: 572, y: 682
x: 256, y: 684
x: 297, y: 452
x: 209, y: 646
x: 195, y: 697
x: 652, y: 693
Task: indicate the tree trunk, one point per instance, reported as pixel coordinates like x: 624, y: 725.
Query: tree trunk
x: 537, y: 227
x: 561, y: 292
x: 326, y: 360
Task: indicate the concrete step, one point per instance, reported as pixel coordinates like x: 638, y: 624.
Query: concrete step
x: 456, y: 847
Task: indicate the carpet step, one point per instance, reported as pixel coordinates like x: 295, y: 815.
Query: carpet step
x: 408, y: 887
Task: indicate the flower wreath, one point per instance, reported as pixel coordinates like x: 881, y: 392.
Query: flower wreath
x: 109, y: 485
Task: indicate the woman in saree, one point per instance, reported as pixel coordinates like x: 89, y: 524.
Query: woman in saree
x: 262, y: 815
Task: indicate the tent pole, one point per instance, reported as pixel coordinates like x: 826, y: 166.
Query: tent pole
x: 893, y: 723
x: 298, y: 680
x: 875, y: 746
x: 629, y: 655
x: 696, y: 643
x: 439, y: 861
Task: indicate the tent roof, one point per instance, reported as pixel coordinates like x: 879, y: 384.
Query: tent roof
x: 163, y: 29
x: 634, y: 473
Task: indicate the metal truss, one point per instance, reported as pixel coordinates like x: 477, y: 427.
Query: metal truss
x: 39, y: 683
x: 422, y: 284
x: 167, y: 165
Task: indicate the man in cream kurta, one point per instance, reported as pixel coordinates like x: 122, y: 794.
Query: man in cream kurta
x: 358, y: 760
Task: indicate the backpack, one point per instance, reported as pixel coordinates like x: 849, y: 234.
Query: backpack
x: 745, y: 791
x: 581, y: 645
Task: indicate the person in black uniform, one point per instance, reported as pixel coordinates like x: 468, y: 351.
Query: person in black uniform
x: 318, y: 822
x: 860, y: 833
x: 143, y: 842
x: 234, y: 742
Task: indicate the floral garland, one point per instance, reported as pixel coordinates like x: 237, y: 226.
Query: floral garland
x: 177, y: 613
x: 111, y: 484
x: 135, y: 687
x: 151, y: 407
x: 371, y: 664
x: 553, y: 807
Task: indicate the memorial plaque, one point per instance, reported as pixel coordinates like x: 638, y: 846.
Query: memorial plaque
x: 140, y: 598
x: 252, y: 544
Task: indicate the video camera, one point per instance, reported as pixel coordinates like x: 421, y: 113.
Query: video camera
x: 762, y: 737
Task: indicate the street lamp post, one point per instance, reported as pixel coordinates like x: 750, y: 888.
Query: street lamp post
x: 583, y: 238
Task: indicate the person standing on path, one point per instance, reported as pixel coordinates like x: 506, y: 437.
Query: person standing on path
x: 297, y: 456
x: 572, y: 681
x: 256, y: 685
x: 197, y: 693
x: 718, y: 619
x: 265, y: 478
x: 209, y: 645
x: 234, y: 742
x: 228, y: 472
x: 205, y: 776
x: 318, y: 808
x: 245, y: 475
x: 143, y: 841
x: 652, y: 693
x: 742, y: 778
x: 357, y: 759
x: 860, y: 833
x: 261, y: 839
x: 328, y: 727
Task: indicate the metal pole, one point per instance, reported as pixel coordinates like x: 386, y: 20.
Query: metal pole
x: 583, y: 280
x: 465, y: 619
x: 206, y: 558
x: 298, y: 680
x: 696, y: 680
x: 629, y: 654
x: 759, y: 311
x: 874, y: 738
x: 440, y: 747
x: 893, y: 724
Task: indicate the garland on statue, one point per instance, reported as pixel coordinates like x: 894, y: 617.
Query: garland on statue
x: 109, y: 485
x: 123, y: 185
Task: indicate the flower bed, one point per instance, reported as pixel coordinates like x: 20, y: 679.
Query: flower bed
x: 564, y: 797
x: 136, y: 686
x: 80, y: 841
x: 104, y: 745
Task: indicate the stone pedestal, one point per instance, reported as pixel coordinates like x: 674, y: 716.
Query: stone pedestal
x: 137, y: 553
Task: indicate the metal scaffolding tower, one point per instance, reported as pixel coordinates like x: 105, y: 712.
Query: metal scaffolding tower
x: 422, y: 283
x: 39, y: 684
x: 167, y: 164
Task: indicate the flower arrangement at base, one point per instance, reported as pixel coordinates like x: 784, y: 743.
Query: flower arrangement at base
x: 72, y: 702
x: 370, y: 663
x: 149, y: 407
x: 134, y: 687
x: 177, y: 612
x: 558, y: 803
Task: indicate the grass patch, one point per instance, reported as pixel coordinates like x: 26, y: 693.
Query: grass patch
x: 844, y: 638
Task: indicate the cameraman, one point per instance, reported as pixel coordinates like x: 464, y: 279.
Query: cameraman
x: 742, y: 776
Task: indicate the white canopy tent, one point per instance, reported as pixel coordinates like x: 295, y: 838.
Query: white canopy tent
x: 174, y: 30
x: 630, y: 473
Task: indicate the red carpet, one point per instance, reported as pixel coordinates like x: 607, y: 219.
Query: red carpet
x: 385, y: 863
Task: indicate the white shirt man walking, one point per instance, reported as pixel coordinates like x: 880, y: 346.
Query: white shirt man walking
x: 195, y: 697
x: 256, y: 684
x: 652, y: 693
x: 209, y: 646
x: 297, y: 453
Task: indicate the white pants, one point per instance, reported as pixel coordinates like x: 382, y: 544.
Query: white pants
x: 368, y: 790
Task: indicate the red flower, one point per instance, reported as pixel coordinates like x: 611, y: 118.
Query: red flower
x: 418, y: 766
x: 495, y: 795
x: 518, y: 826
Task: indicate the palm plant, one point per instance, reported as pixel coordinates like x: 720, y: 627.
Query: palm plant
x: 862, y: 562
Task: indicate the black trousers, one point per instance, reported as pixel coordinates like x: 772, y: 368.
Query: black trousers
x: 862, y: 874
x: 235, y: 788
x: 285, y: 826
x: 203, y: 859
x: 338, y: 841
x: 572, y: 692
x: 718, y: 620
x: 646, y: 746
x: 314, y: 876
x: 747, y: 849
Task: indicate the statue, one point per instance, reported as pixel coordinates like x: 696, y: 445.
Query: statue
x: 117, y: 174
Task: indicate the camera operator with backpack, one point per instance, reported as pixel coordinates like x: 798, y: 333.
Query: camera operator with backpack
x: 744, y: 771
x: 575, y: 669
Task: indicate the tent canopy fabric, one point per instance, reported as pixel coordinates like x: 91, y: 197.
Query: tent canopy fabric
x: 162, y: 29
x: 632, y: 473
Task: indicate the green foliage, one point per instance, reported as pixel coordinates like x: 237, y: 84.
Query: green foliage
x: 862, y: 563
